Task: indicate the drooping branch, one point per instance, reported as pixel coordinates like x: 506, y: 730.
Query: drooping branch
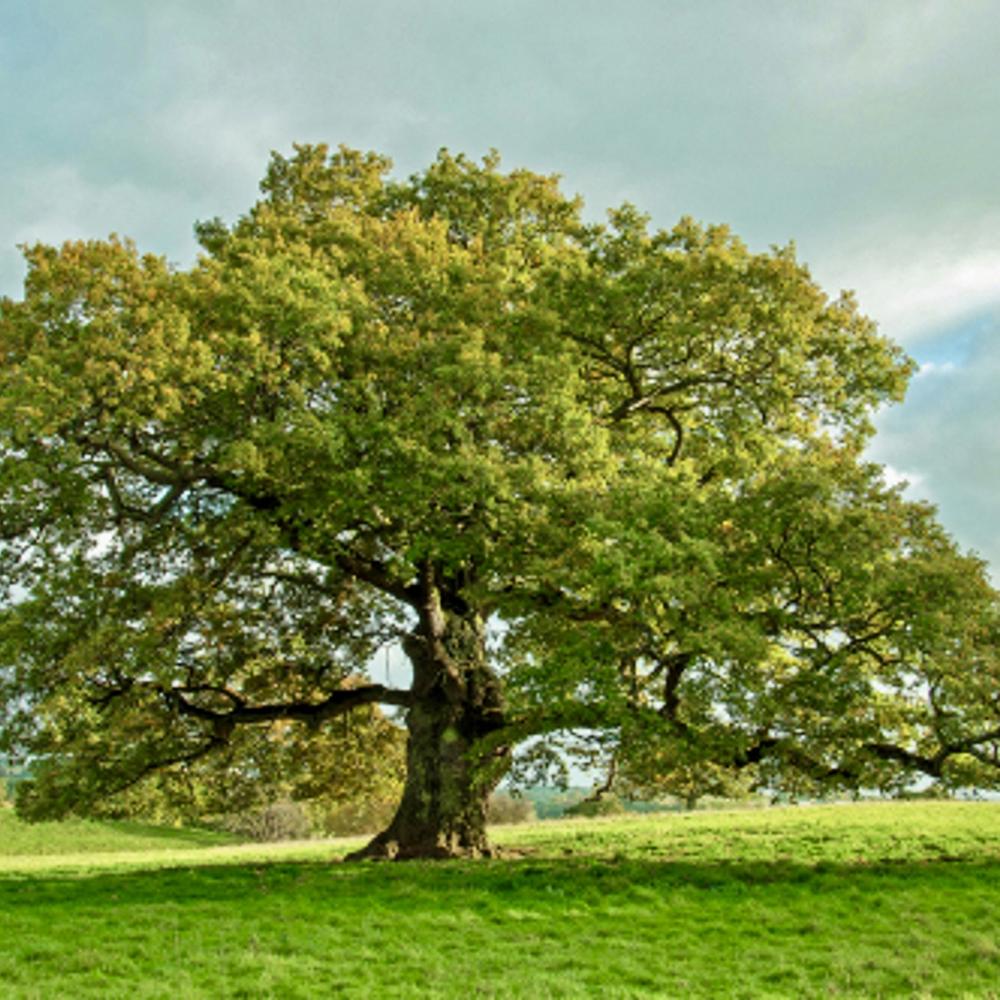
x: 215, y: 741
x: 933, y: 766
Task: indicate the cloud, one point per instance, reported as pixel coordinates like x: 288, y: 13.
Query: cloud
x: 912, y: 481
x: 946, y: 437
x: 59, y: 202
x: 916, y: 279
x: 935, y: 368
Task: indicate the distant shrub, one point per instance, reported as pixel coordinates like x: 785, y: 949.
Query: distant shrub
x: 344, y: 819
x: 505, y: 808
x: 282, y: 820
x: 606, y: 805
x: 931, y: 792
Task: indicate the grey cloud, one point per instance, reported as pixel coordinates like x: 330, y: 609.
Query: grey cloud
x: 946, y: 433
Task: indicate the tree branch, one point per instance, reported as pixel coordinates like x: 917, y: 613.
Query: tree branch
x: 374, y: 572
x: 337, y: 703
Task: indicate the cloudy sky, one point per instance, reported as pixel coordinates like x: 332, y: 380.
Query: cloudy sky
x: 868, y: 133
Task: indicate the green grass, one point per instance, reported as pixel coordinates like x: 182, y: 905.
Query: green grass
x: 83, y: 836
x: 879, y: 900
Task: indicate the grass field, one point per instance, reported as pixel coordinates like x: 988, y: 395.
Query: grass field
x: 874, y: 900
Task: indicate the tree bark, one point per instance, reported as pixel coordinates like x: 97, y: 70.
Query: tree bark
x: 456, y: 703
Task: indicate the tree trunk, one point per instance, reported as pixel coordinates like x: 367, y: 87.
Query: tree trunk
x: 456, y: 702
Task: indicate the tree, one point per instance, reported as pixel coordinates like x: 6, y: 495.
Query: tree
x: 588, y: 476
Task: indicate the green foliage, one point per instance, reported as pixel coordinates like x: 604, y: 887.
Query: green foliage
x: 550, y: 803
x: 835, y: 638
x: 604, y: 805
x: 648, y: 776
x: 372, y: 404
x: 367, y: 812
x: 352, y: 767
x: 762, y: 903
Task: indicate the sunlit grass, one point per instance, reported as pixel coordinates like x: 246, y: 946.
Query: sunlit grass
x: 860, y: 901
x: 83, y: 836
x: 91, y: 845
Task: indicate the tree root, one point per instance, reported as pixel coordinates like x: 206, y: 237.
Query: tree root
x: 382, y: 848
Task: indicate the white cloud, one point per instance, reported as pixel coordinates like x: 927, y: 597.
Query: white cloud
x: 913, y: 482
x: 936, y: 368
x: 915, y: 282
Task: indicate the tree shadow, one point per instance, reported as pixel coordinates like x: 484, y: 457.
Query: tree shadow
x: 446, y: 885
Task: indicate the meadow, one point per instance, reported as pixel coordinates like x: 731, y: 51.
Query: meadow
x: 868, y: 900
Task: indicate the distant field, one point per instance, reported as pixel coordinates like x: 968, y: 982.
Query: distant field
x: 874, y: 900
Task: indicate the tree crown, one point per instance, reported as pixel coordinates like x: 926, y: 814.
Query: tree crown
x: 372, y: 401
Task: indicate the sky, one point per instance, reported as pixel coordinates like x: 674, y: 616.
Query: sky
x: 867, y: 133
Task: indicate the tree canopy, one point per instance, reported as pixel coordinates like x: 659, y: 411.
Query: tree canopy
x: 589, y: 476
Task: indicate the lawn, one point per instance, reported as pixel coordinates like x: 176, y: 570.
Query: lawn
x: 850, y: 901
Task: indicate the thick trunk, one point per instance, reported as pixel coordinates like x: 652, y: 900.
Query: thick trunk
x: 456, y: 702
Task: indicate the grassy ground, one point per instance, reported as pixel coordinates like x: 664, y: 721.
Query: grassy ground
x: 89, y: 837
x: 879, y: 900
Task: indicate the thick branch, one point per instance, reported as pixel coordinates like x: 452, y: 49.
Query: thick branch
x: 928, y: 765
x: 337, y: 703
x: 373, y: 572
x: 126, y: 511
x: 675, y: 666
x: 214, y: 742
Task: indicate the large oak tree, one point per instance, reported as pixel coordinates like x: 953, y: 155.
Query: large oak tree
x: 588, y: 476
